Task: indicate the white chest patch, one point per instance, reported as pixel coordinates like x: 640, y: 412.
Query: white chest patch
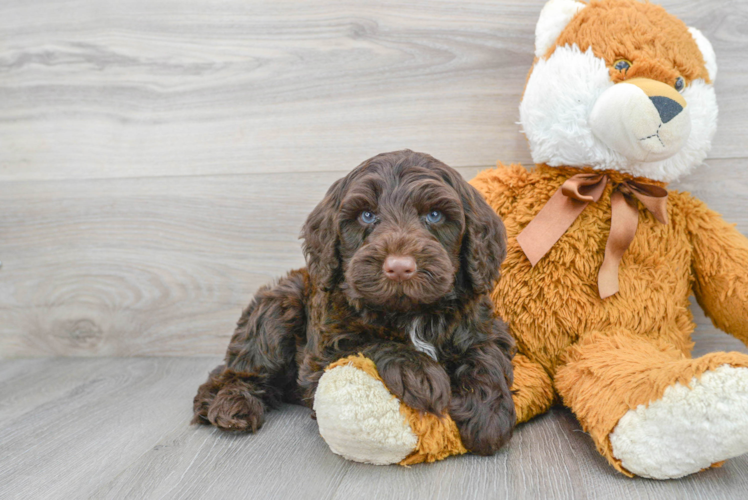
x: 418, y: 342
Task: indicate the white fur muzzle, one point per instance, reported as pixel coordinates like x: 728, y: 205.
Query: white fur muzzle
x: 629, y: 123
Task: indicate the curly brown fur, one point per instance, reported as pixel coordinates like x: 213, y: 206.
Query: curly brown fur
x: 435, y: 339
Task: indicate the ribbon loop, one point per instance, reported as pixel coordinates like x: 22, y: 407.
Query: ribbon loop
x: 654, y: 198
x: 568, y: 202
x: 585, y: 187
x: 559, y: 213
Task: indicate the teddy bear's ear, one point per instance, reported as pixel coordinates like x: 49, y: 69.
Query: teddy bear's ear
x: 554, y: 17
x: 705, y: 46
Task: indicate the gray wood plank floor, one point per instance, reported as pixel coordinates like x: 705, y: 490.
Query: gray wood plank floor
x: 118, y: 428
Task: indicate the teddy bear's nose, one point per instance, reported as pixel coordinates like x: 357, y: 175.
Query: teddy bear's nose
x: 666, y: 107
x: 642, y: 119
x: 399, y: 268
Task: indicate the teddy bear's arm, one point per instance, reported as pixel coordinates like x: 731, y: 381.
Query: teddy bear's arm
x: 720, y: 265
x: 410, y: 375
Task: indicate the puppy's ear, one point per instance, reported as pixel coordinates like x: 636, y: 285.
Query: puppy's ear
x: 320, y: 235
x: 484, y: 242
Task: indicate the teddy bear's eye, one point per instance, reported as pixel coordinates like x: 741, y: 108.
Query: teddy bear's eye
x: 680, y: 84
x: 622, y: 65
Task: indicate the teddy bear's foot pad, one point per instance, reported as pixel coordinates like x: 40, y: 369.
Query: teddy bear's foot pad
x: 688, y: 429
x: 359, y: 418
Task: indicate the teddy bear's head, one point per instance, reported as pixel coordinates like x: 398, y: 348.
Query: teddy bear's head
x: 619, y: 85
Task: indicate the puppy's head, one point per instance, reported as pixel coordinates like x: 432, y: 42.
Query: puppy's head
x: 403, y: 231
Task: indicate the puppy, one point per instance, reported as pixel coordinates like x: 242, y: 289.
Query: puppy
x: 401, y: 255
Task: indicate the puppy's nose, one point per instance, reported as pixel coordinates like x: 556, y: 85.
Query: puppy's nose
x: 398, y: 268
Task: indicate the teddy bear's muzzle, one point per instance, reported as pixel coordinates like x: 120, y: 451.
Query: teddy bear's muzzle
x: 643, y: 120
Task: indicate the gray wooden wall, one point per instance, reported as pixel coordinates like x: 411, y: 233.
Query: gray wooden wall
x: 157, y: 158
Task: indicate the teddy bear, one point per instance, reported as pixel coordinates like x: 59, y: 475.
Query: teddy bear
x: 602, y: 258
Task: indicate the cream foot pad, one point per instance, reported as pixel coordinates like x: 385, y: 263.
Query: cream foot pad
x: 688, y: 429
x: 362, y: 421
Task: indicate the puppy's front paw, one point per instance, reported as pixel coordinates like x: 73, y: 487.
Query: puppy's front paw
x: 483, y: 409
x: 227, y: 401
x: 419, y: 383
x: 205, y: 396
x: 236, y: 409
x: 487, y: 431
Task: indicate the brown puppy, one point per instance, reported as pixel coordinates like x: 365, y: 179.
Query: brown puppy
x: 402, y: 254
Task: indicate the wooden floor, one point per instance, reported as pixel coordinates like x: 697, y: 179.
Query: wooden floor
x: 119, y: 428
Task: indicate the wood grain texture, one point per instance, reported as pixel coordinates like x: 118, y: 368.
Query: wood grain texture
x: 116, y: 88
x: 117, y: 428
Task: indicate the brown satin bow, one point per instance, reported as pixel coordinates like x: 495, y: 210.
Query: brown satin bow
x: 568, y: 202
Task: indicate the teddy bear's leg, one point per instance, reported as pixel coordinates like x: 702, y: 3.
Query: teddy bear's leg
x: 532, y: 389
x: 651, y: 410
x: 362, y: 421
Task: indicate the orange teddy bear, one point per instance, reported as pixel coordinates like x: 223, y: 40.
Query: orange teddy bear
x: 602, y: 258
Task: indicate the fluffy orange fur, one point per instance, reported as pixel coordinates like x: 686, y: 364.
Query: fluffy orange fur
x: 657, y: 44
x: 534, y: 394
x: 605, y: 357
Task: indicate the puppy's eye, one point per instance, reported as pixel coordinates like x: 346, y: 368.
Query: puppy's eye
x: 367, y: 217
x: 680, y: 84
x: 434, y: 216
x: 622, y: 65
